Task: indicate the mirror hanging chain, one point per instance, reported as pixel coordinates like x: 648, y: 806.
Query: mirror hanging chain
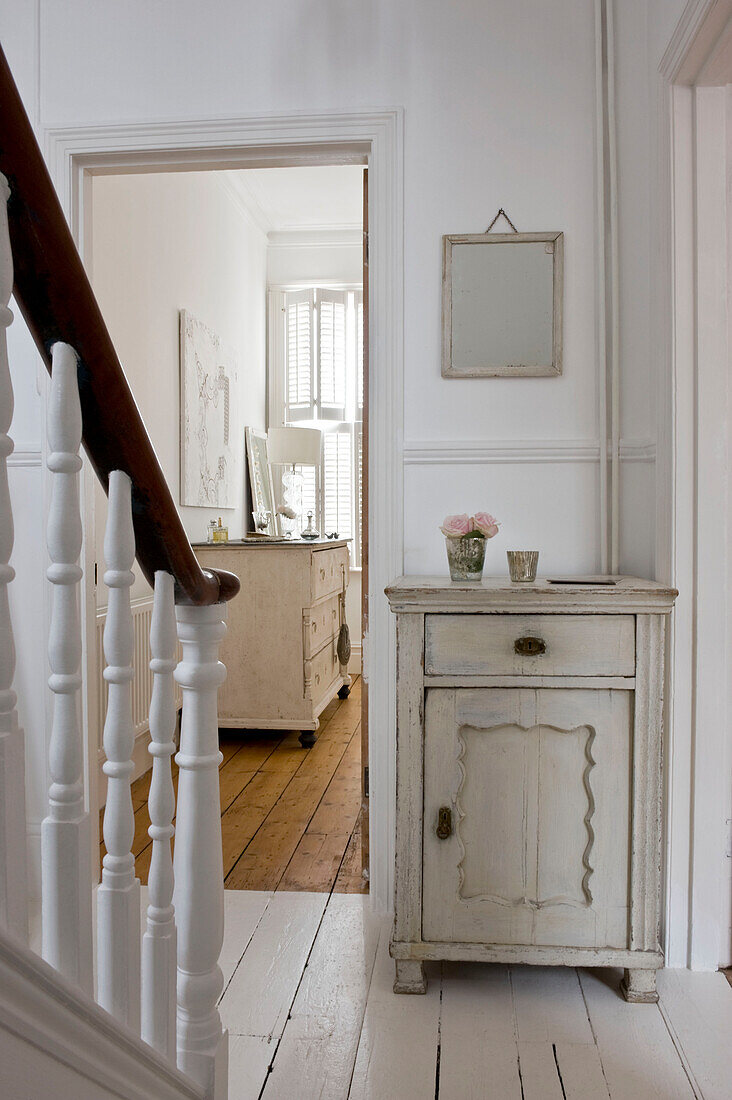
x: 502, y: 214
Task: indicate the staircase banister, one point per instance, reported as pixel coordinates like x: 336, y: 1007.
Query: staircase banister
x: 55, y: 297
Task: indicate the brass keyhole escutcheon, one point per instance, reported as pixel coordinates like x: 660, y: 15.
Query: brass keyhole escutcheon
x: 530, y: 647
x: 444, y: 822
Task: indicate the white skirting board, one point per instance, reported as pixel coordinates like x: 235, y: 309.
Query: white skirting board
x: 354, y: 665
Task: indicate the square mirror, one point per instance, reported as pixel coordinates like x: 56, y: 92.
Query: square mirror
x: 502, y: 305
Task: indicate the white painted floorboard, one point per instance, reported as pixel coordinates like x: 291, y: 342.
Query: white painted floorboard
x: 477, y: 1034
x: 311, y: 1014
x: 397, y: 1054
x: 259, y: 996
x: 316, y: 1056
x: 698, y: 1012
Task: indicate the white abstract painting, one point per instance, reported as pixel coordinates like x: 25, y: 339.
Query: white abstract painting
x: 210, y: 401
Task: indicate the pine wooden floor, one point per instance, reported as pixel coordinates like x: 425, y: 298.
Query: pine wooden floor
x: 289, y: 816
x: 311, y: 1015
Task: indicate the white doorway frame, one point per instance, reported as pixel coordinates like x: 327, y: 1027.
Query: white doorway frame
x: 372, y: 138
x: 695, y: 446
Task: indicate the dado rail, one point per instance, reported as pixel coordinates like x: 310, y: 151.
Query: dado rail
x: 162, y: 986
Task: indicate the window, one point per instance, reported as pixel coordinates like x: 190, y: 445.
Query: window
x: 316, y: 378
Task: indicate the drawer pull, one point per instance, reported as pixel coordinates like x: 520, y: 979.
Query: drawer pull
x: 530, y: 647
x: 444, y: 822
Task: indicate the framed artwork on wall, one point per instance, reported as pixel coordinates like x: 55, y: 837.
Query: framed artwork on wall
x: 210, y: 436
x: 502, y: 305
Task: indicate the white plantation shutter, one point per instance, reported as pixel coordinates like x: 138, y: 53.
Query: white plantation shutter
x: 358, y: 303
x: 331, y: 387
x: 321, y: 381
x: 300, y: 356
x: 338, y: 483
x: 358, y: 479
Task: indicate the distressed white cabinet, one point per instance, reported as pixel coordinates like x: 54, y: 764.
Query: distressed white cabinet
x: 529, y: 774
x: 281, y: 644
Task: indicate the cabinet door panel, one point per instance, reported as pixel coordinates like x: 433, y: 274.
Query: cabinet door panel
x: 537, y: 782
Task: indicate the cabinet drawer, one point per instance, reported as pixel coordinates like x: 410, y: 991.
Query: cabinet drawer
x: 325, y: 669
x: 324, y: 623
x: 327, y: 573
x: 576, y: 645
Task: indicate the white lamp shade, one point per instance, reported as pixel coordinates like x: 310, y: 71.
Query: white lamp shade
x: 294, y: 446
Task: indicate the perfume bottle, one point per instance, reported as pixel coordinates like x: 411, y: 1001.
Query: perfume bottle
x: 210, y: 530
x: 220, y: 533
x: 310, y: 532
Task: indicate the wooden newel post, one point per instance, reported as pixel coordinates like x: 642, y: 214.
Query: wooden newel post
x: 199, y: 877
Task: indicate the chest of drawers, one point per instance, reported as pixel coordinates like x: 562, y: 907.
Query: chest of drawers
x: 280, y: 648
x: 529, y: 723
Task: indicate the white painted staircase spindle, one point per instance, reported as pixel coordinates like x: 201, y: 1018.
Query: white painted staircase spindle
x: 65, y: 833
x: 159, y: 942
x: 118, y: 898
x: 199, y: 880
x: 13, y: 888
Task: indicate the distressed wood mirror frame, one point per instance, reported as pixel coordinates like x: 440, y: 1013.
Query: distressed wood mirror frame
x: 518, y: 335
x: 260, y: 476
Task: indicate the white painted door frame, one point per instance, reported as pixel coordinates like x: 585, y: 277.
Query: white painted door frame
x: 695, y: 445
x: 370, y: 137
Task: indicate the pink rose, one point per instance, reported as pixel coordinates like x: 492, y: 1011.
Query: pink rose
x: 486, y: 524
x: 456, y: 526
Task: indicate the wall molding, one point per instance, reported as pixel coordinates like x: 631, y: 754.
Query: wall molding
x: 246, y: 206
x: 679, y: 59
x: 607, y: 289
x: 518, y: 451
x: 322, y: 236
x: 26, y: 454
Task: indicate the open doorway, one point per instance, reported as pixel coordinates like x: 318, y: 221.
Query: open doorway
x: 239, y: 250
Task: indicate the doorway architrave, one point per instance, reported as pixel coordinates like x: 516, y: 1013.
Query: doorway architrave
x: 373, y: 138
x: 694, y: 450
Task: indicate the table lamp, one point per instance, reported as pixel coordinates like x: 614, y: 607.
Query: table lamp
x: 293, y: 447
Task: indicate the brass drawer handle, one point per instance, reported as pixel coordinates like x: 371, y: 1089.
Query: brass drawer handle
x: 530, y: 647
x: 444, y: 822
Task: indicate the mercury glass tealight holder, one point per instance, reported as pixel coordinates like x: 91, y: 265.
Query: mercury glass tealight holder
x: 522, y: 565
x: 465, y: 557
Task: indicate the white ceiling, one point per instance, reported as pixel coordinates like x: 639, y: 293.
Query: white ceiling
x: 302, y: 198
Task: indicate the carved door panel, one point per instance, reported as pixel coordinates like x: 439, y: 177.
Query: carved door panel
x: 537, y: 782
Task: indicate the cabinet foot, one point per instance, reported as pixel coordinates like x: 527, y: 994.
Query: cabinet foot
x: 307, y: 738
x: 409, y: 977
x: 639, y: 986
x: 344, y: 692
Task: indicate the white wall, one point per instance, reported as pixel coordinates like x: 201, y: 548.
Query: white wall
x: 499, y: 103
x: 163, y: 242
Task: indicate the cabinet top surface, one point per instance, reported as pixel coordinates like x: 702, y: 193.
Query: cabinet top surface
x: 551, y: 594
x: 274, y: 544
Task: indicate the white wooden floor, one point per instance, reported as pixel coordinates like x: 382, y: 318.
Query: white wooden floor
x: 310, y: 1011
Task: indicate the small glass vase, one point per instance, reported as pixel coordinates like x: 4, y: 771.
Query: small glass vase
x: 466, y: 557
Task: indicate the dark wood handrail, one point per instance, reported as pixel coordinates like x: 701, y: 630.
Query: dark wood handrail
x: 57, y: 302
